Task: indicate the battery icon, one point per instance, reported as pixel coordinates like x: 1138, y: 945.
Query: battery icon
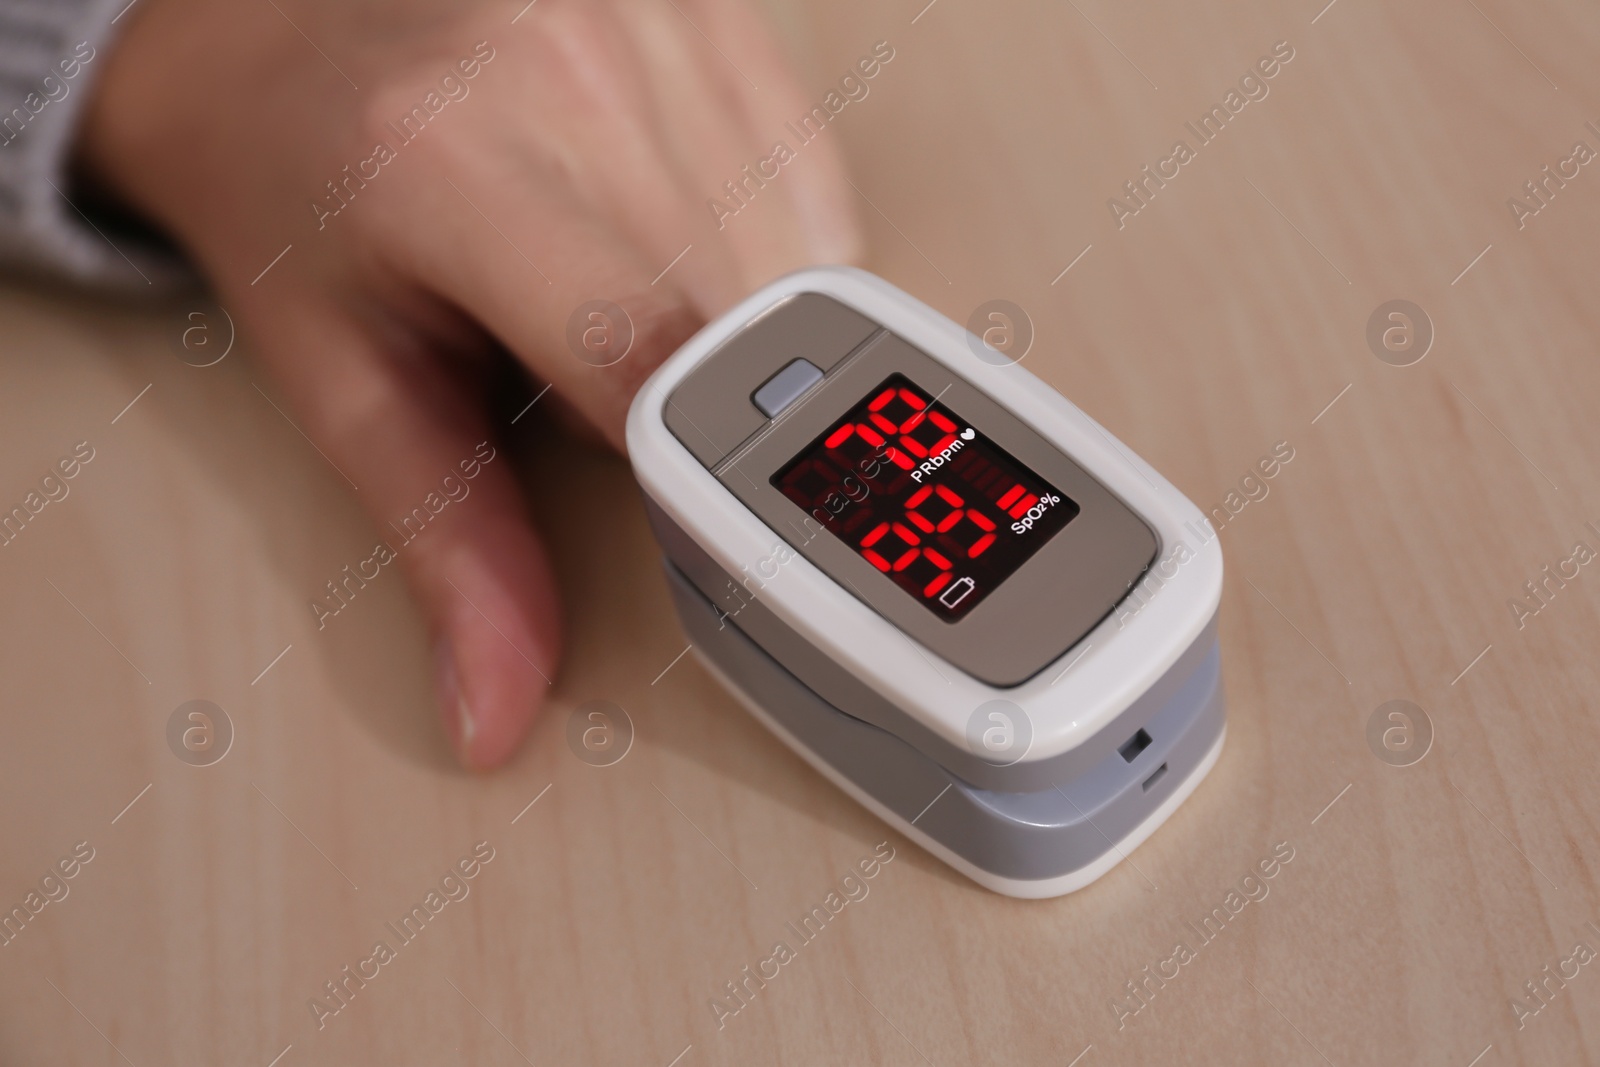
x: 956, y: 592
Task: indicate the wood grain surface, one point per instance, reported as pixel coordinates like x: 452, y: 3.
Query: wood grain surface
x: 1227, y: 314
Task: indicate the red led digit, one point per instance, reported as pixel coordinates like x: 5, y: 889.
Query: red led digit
x: 881, y: 399
x: 839, y: 436
x: 951, y: 520
x: 949, y: 428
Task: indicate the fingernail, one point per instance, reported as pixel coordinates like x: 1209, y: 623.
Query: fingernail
x: 453, y: 704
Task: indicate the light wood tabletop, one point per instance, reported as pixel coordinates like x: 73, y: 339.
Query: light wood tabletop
x: 1438, y: 899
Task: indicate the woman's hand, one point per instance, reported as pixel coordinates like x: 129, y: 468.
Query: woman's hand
x: 449, y: 177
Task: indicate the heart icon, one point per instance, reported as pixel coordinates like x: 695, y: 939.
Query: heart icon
x: 968, y: 434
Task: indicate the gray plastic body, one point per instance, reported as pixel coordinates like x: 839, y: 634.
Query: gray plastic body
x: 1037, y: 836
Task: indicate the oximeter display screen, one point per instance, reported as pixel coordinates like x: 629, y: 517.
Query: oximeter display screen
x: 924, y: 497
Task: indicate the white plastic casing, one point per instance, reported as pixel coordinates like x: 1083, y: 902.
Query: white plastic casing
x: 1110, y: 667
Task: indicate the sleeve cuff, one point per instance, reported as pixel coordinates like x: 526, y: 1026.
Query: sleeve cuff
x: 50, y: 54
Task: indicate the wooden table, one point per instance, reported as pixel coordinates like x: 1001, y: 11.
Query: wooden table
x: 1228, y: 313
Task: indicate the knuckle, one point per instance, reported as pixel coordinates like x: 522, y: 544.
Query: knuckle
x: 581, y: 55
x: 409, y: 105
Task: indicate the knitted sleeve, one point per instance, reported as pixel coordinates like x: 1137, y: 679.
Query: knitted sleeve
x: 50, y: 54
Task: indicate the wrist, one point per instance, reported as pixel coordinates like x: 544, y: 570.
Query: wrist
x: 162, y: 128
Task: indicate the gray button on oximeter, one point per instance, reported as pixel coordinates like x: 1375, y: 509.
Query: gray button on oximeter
x: 785, y: 387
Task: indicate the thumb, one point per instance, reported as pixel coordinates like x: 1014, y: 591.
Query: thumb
x: 412, y: 435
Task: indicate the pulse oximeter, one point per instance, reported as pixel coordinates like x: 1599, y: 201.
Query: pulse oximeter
x: 945, y: 587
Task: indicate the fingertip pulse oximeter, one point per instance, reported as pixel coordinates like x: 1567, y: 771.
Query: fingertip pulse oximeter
x: 945, y: 587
